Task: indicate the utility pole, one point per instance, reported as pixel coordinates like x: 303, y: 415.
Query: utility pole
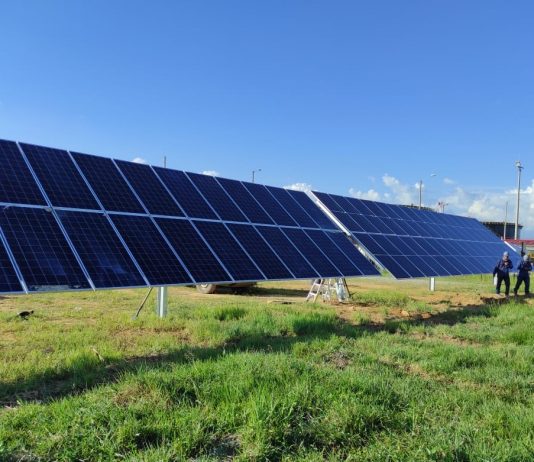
x: 254, y: 174
x: 519, y: 169
x: 420, y: 194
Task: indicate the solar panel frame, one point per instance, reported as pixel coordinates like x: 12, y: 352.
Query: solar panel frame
x: 268, y: 261
x: 415, y: 241
x: 135, y: 236
x: 11, y: 281
x: 58, y: 177
x: 246, y: 202
x: 107, y: 183
x: 185, y: 193
x: 187, y: 239
x: 269, y: 203
x: 231, y: 251
x: 218, y: 198
x: 311, y: 208
x: 96, y: 239
x: 17, y: 182
x: 149, y: 189
x: 60, y: 268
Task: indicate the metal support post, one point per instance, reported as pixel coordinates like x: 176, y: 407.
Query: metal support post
x: 161, y: 302
x: 432, y: 284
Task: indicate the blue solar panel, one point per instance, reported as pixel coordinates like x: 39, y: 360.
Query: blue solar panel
x: 292, y: 208
x: 261, y: 253
x: 236, y: 261
x: 311, y: 209
x: 312, y: 253
x: 416, y: 243
x: 353, y: 254
x: 41, y: 250
x: 248, y: 205
x: 217, y: 198
x: 59, y: 177
x: 353, y: 264
x: 17, y: 185
x: 107, y: 183
x: 270, y: 204
x: 294, y: 260
x: 193, y: 251
x: 150, y: 250
x: 101, y: 251
x: 9, y: 281
x: 185, y: 193
x: 149, y: 189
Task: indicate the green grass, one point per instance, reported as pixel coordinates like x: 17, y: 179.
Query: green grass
x: 250, y: 378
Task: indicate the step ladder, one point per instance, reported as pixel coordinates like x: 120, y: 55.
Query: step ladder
x: 329, y: 289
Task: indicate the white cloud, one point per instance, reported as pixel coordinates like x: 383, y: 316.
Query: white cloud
x: 400, y: 193
x: 448, y: 181
x: 210, y: 172
x: 139, y: 160
x: 371, y: 195
x: 299, y: 187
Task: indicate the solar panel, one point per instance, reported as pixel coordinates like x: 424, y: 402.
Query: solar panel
x: 217, y: 198
x: 348, y: 266
x: 270, y: 204
x: 95, y: 222
x: 101, y: 251
x: 311, y: 209
x: 149, y: 189
x: 9, y: 281
x: 259, y: 250
x: 17, y: 185
x: 238, y: 263
x: 248, y: 205
x: 313, y: 254
x: 156, y: 259
x: 107, y: 183
x: 185, y: 193
x: 298, y: 214
x: 40, y: 250
x: 417, y: 243
x: 59, y: 177
x: 194, y: 252
x: 293, y: 259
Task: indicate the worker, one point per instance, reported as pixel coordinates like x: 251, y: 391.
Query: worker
x: 502, y: 271
x: 523, y: 275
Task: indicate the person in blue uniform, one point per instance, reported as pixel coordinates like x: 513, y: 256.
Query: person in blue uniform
x: 523, y: 275
x: 502, y: 270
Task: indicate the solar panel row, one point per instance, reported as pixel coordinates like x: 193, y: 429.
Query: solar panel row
x: 77, y: 221
x: 415, y: 243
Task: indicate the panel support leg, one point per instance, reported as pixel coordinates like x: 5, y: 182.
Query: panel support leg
x: 161, y: 302
x: 432, y: 285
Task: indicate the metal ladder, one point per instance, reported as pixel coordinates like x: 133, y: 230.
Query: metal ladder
x: 326, y: 287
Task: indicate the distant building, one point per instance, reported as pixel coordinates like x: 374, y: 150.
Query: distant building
x: 497, y: 227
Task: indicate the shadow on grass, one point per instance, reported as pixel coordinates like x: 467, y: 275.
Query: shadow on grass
x: 89, y: 372
x: 278, y: 292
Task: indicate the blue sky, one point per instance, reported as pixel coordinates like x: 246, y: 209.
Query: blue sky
x: 347, y: 96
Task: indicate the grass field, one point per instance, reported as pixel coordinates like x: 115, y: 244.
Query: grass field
x: 398, y: 374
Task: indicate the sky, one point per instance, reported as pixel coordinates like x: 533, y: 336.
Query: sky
x: 362, y: 98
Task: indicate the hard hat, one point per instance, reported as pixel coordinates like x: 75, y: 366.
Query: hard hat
x: 526, y: 258
x: 505, y: 254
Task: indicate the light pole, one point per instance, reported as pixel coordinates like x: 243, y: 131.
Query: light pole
x: 441, y: 206
x: 421, y: 191
x: 254, y: 174
x: 505, y: 221
x: 519, y: 168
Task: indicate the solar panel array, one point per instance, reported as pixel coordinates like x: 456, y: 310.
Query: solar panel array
x: 73, y: 221
x: 413, y: 243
